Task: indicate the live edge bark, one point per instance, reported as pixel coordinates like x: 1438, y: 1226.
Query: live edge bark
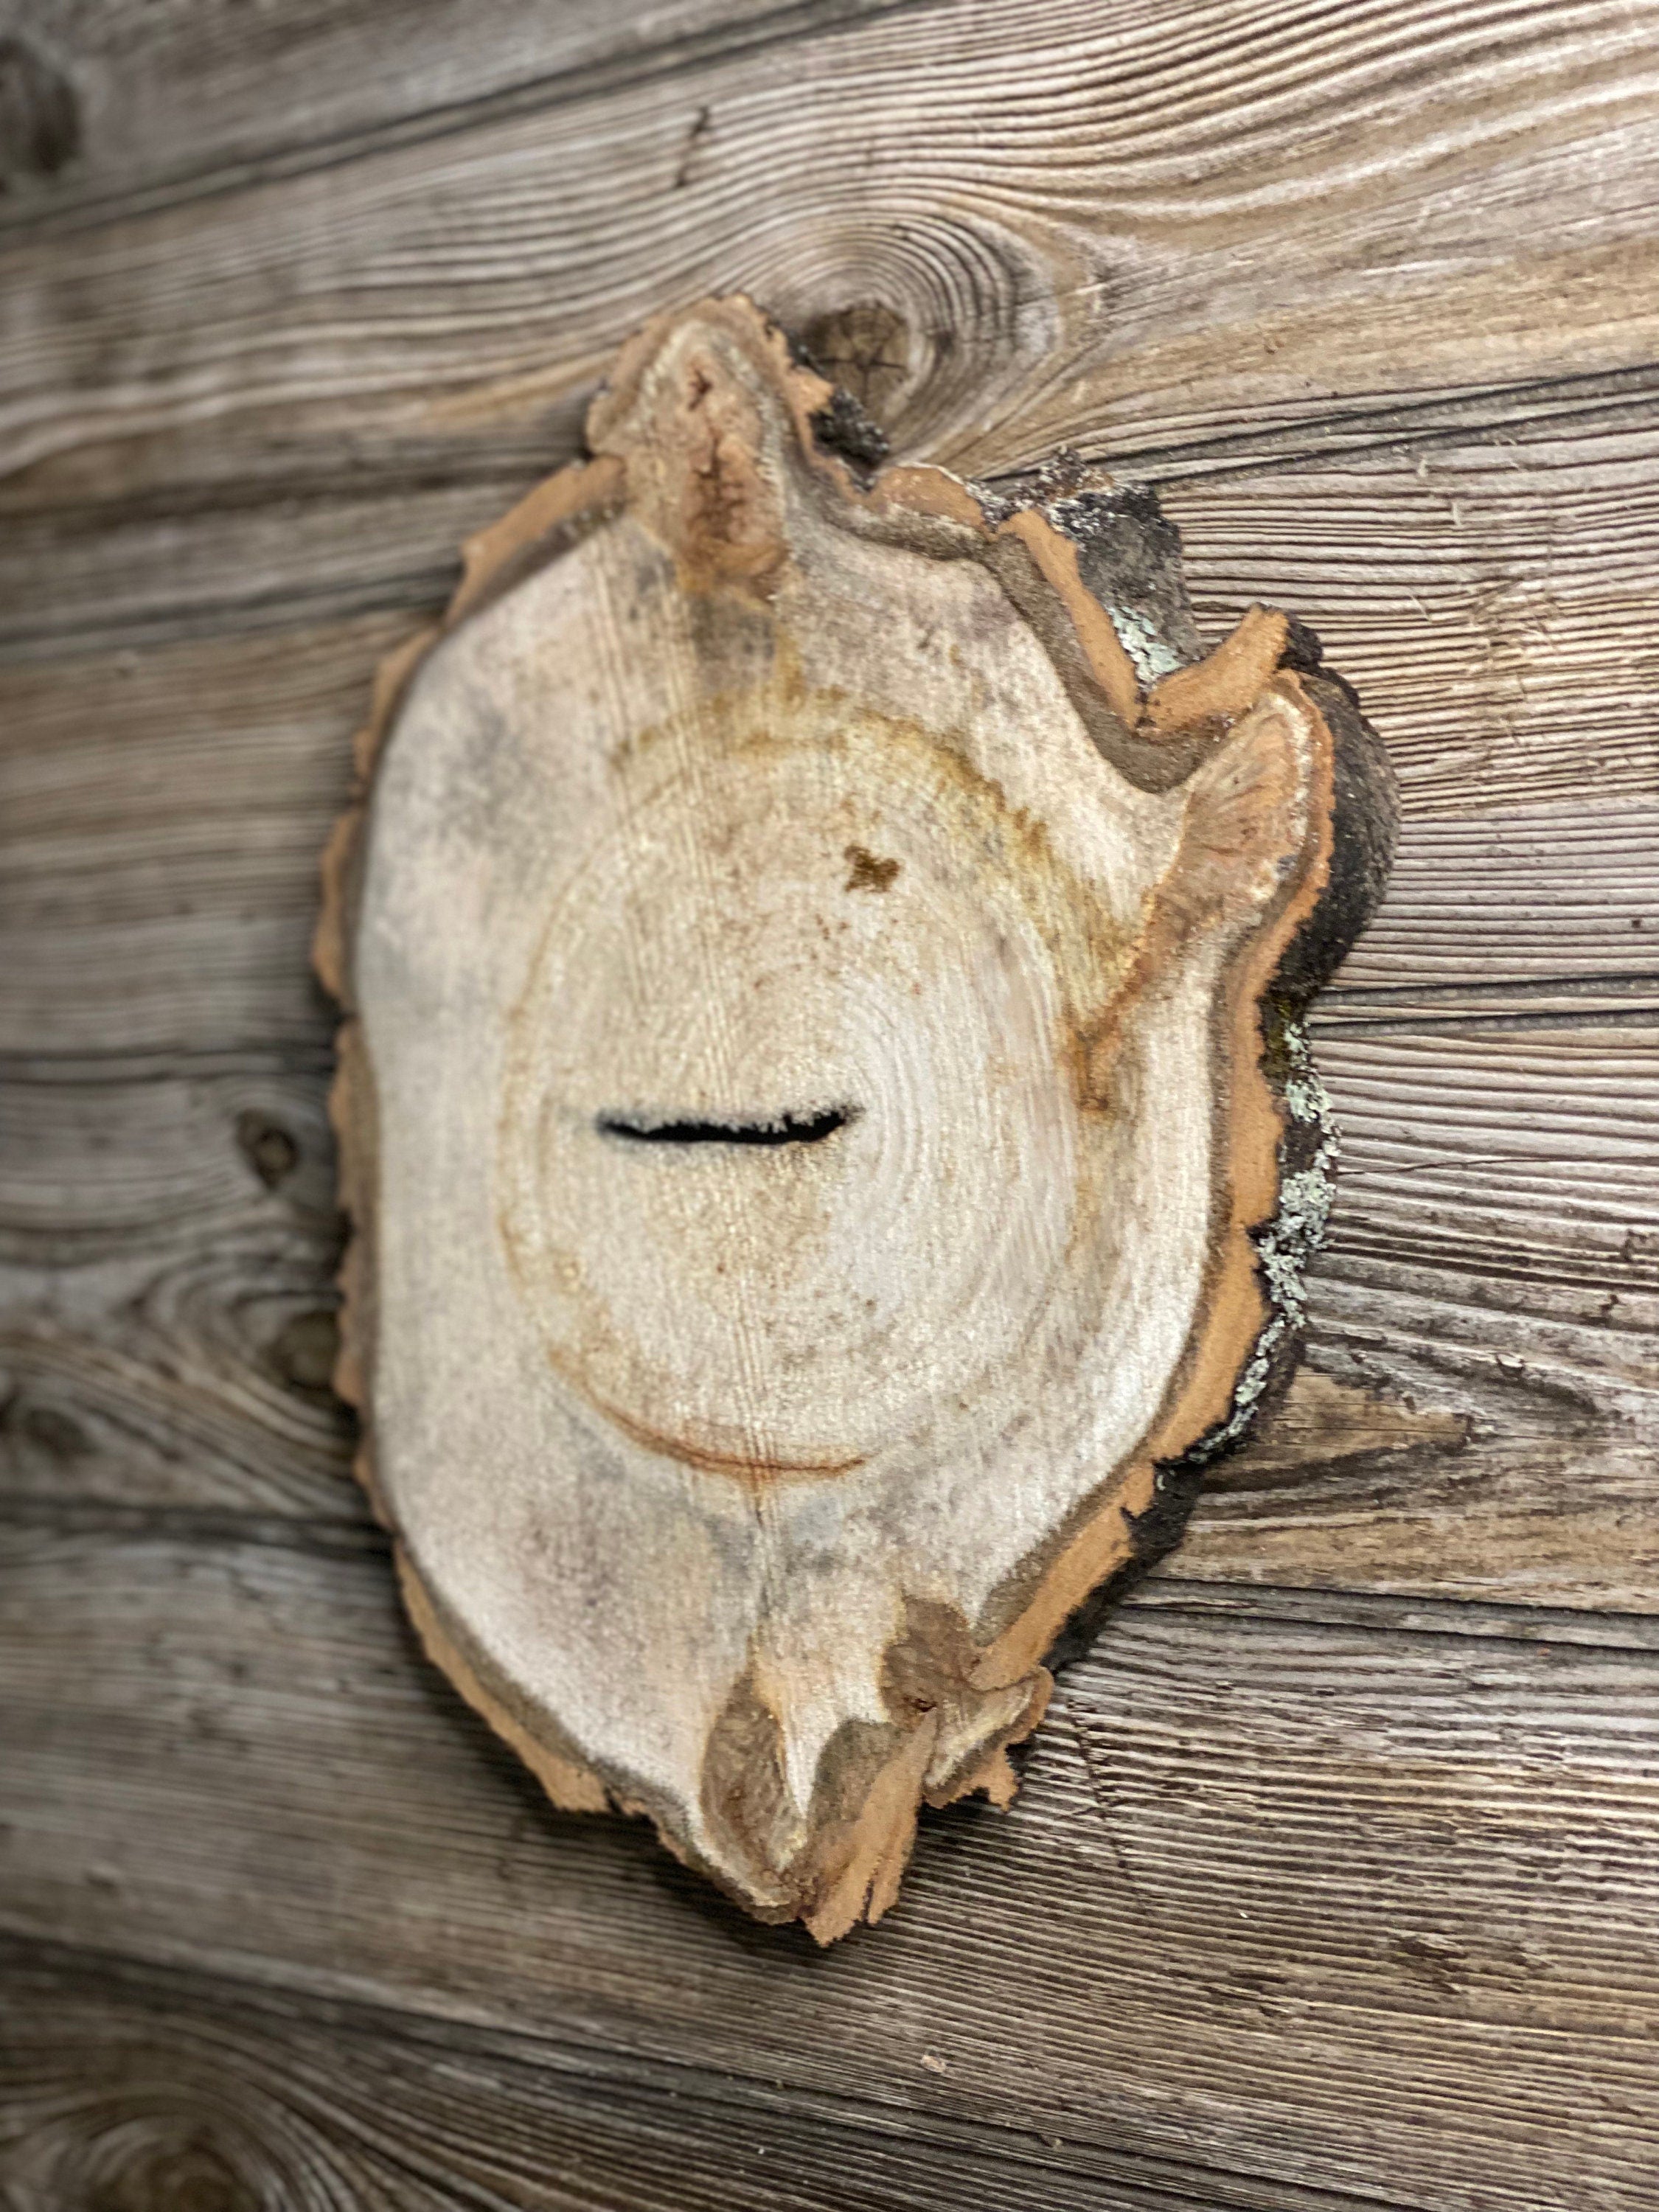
x: 824, y: 1108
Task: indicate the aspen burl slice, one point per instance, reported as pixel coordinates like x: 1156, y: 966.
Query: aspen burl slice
x: 824, y: 1116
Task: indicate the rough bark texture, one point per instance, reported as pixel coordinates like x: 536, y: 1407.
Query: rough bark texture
x: 830, y: 1138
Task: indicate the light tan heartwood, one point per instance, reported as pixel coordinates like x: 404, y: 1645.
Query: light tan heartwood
x: 823, y: 1106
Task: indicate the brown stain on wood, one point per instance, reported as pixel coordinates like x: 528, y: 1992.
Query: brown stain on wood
x: 755, y: 1470
x: 866, y: 872
x: 691, y: 440
x: 1320, y: 1420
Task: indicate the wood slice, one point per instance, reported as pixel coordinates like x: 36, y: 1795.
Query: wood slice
x: 824, y: 1110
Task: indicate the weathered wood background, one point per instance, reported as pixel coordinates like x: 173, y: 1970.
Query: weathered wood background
x: 1335, y: 1882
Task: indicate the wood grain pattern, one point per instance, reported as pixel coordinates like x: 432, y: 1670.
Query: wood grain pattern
x: 198, y: 100
x: 1481, y: 1267
x: 1371, y: 1899
x: 168, y: 1337
x: 1483, y: 591
x: 163, y: 814
x: 1512, y: 912
x: 136, y: 2086
x: 1470, y: 198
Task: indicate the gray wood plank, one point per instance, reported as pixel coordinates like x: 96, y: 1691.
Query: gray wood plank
x: 1487, y: 600
x: 167, y: 102
x: 166, y: 1269
x: 129, y: 2086
x: 163, y: 819
x: 1098, y: 226
x: 1353, y: 1907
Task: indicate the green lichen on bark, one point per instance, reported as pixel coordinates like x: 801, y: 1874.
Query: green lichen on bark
x: 1284, y: 1246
